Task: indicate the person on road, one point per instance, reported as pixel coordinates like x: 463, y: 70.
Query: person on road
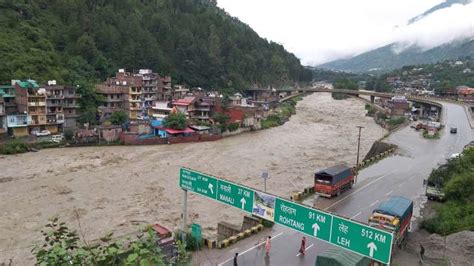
x: 422, y: 253
x: 235, y: 259
x: 303, y: 245
x: 268, y: 246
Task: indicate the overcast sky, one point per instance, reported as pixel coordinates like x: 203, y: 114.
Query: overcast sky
x: 318, y: 31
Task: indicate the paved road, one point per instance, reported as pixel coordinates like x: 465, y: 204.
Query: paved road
x: 401, y: 174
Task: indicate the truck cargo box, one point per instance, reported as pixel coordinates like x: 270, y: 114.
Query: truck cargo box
x: 340, y: 257
x: 333, y: 175
x: 396, y: 206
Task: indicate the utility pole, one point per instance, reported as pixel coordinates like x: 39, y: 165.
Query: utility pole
x: 358, y: 149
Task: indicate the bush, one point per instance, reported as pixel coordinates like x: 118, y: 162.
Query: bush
x: 13, y: 148
x: 175, y: 121
x: 450, y: 217
x: 233, y: 127
x: 68, y: 134
x: 119, y: 118
x: 271, y: 121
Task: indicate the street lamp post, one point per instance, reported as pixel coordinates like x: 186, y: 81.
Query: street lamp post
x: 358, y: 149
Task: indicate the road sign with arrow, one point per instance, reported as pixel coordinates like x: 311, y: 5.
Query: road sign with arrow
x: 304, y: 219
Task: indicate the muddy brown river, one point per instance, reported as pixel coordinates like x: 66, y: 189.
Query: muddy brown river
x: 119, y: 188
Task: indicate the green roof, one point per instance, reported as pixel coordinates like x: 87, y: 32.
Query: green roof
x: 4, y: 94
x: 25, y: 84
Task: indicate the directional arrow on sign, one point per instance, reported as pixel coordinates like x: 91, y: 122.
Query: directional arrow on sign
x: 210, y: 188
x: 372, y: 247
x: 315, y: 228
x: 243, y: 203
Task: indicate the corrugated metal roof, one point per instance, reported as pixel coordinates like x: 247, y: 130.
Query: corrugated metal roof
x: 334, y: 170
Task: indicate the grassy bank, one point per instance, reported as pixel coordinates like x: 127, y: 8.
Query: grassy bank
x: 457, y: 180
x: 282, y: 113
x: 16, y: 147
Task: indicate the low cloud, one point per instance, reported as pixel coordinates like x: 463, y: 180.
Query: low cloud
x: 441, y: 27
x: 322, y: 31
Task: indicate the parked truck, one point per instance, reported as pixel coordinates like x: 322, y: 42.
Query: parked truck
x: 334, y: 180
x: 394, y: 215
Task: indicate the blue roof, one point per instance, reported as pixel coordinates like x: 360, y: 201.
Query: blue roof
x: 396, y: 205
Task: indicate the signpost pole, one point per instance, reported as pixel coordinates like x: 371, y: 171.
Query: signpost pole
x: 185, y: 214
x: 358, y: 148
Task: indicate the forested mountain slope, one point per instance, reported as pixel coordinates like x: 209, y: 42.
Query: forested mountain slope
x: 194, y: 41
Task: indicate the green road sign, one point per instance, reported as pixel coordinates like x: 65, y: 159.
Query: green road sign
x: 235, y: 195
x: 304, y: 219
x: 196, y: 232
x: 198, y: 182
x: 354, y: 236
x: 363, y: 239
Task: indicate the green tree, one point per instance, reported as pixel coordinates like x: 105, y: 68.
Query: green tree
x: 119, y: 118
x: 88, y: 103
x: 62, y: 246
x: 175, y: 121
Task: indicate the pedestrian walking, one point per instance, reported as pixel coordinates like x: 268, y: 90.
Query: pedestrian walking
x: 268, y: 246
x: 303, y: 245
x: 422, y: 253
x: 235, y: 259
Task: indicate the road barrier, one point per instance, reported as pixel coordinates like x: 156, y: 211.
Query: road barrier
x: 374, y: 159
x: 235, y: 238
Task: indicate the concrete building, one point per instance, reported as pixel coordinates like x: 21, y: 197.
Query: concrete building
x: 54, y: 107
x: 134, y: 93
x: 160, y: 110
x: 466, y: 94
x: 31, y: 100
x: 18, y: 124
x: 71, y: 107
x: 3, y: 121
x: 398, y: 106
x: 7, y: 92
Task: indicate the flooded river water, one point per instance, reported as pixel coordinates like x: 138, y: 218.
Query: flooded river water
x: 117, y: 188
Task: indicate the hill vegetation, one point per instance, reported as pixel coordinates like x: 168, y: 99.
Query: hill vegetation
x: 457, y: 180
x: 194, y: 41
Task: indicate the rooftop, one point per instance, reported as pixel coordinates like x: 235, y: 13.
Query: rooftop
x: 185, y: 102
x: 25, y: 84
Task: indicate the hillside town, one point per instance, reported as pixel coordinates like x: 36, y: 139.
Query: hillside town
x: 32, y: 110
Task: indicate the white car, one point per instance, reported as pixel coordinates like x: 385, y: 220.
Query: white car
x: 42, y: 133
x: 454, y: 155
x: 57, y: 138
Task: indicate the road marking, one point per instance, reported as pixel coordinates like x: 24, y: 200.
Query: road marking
x: 373, y: 203
x: 297, y: 255
x: 357, y: 214
x: 240, y: 254
x: 358, y: 190
x: 388, y: 193
x: 401, y: 184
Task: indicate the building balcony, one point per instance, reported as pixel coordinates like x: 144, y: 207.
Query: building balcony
x: 36, y: 95
x: 18, y: 120
x: 49, y: 104
x: 203, y: 109
x: 71, y: 96
x: 36, y: 103
x: 71, y: 106
x: 108, y: 100
x: 55, y: 96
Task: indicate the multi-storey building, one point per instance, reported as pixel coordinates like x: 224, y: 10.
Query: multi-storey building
x: 3, y: 121
x: 31, y: 100
x: 54, y: 107
x: 71, y: 107
x: 8, y: 94
x: 134, y: 93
